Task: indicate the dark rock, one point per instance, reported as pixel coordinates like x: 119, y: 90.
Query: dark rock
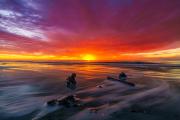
x: 52, y: 102
x: 69, y: 101
x: 100, y: 86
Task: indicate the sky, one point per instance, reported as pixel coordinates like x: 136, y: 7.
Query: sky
x: 129, y: 30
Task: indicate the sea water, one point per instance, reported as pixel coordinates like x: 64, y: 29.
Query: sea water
x: 25, y: 87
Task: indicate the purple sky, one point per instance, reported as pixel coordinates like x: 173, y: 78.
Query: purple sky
x: 101, y: 27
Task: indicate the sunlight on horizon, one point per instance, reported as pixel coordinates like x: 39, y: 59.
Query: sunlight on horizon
x: 88, y: 57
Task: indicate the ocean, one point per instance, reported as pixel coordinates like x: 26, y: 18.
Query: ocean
x: 25, y: 87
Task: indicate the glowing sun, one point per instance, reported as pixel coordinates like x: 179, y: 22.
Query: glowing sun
x: 88, y: 57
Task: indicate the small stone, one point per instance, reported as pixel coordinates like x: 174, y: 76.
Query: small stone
x: 52, y: 102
